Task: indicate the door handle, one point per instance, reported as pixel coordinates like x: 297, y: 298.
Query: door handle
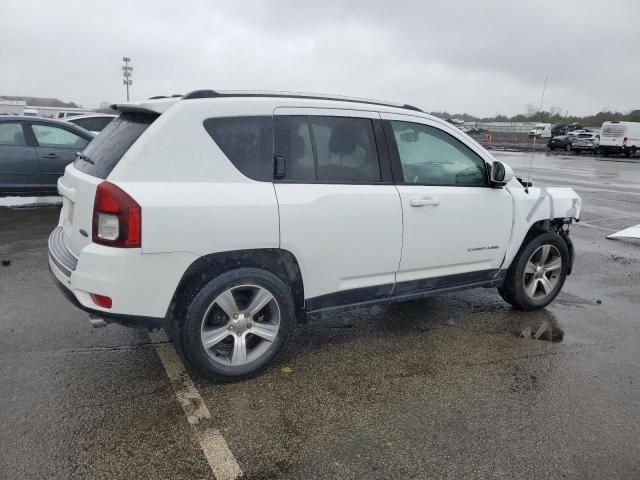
x: 51, y: 155
x: 424, y: 202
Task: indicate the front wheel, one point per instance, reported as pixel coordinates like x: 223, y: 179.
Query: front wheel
x: 537, y: 274
x: 568, y: 147
x: 236, y: 324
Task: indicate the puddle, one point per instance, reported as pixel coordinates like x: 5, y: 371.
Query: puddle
x: 540, y: 325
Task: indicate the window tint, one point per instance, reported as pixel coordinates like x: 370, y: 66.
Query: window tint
x: 293, y: 143
x: 345, y: 149
x: 432, y: 157
x: 56, y: 137
x: 106, y: 150
x: 96, y: 124
x: 247, y: 142
x: 11, y: 134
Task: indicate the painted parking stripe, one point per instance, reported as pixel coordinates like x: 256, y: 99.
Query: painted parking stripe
x: 215, y: 448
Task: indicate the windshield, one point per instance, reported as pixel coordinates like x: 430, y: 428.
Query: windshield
x: 105, y: 151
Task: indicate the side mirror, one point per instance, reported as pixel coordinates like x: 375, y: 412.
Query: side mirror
x: 501, y: 173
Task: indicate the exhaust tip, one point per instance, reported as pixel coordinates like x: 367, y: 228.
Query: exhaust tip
x: 97, y: 322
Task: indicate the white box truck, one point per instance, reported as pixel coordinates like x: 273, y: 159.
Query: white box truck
x: 620, y: 137
x: 541, y: 130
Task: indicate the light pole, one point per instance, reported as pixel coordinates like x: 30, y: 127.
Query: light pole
x: 126, y: 74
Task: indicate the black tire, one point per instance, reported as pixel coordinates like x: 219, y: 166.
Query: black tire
x: 631, y: 152
x: 513, y: 288
x: 567, y: 147
x: 577, y: 152
x: 552, y: 148
x: 604, y: 153
x: 190, y: 328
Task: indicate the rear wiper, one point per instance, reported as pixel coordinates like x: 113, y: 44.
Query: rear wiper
x: 82, y: 156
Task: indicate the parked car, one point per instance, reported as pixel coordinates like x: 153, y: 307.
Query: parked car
x: 228, y: 216
x: 620, y: 137
x: 94, y: 123
x: 585, y: 142
x: 562, y: 142
x: 35, y: 151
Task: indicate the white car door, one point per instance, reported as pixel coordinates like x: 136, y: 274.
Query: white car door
x: 340, y: 212
x: 456, y: 226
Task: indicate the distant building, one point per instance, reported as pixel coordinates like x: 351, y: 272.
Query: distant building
x: 20, y: 107
x: 12, y: 107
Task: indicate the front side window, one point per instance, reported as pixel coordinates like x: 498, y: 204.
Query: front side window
x: 55, y: 137
x: 11, y: 134
x: 247, y: 142
x: 430, y: 156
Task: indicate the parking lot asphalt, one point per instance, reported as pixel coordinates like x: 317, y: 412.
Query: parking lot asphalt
x: 453, y: 386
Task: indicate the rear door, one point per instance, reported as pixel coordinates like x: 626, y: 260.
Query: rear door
x: 340, y: 213
x: 56, y: 148
x: 18, y: 159
x: 456, y: 227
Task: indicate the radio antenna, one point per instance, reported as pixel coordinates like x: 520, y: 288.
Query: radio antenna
x: 533, y: 141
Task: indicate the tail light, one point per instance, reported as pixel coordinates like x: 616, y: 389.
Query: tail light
x: 117, y: 218
x: 624, y: 142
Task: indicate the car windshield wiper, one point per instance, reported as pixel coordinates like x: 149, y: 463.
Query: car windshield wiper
x: 82, y: 156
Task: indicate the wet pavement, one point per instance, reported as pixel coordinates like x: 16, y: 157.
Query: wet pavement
x: 455, y: 386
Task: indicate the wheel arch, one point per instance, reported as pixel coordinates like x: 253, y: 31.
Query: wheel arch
x: 554, y: 225
x: 280, y: 262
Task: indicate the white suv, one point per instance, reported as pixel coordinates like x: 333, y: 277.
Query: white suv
x: 227, y: 216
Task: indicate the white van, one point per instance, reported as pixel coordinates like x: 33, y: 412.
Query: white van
x: 620, y: 137
x: 541, y: 130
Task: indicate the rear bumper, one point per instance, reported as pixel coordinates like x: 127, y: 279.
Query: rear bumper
x: 147, y: 323
x: 141, y: 286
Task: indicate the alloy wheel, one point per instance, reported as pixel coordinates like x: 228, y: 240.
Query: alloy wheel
x: 240, y: 325
x: 542, y: 272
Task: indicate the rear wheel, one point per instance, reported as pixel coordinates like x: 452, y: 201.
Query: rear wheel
x: 568, y: 147
x: 630, y: 152
x: 537, y: 274
x: 236, y: 324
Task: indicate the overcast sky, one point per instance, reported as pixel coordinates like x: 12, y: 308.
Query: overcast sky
x: 482, y: 57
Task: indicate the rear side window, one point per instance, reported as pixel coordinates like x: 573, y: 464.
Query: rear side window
x: 11, y: 134
x: 247, y: 142
x: 327, y: 149
x: 49, y: 136
x: 106, y: 150
x: 345, y: 149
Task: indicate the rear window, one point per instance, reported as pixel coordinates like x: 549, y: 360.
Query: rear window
x: 247, y: 142
x: 93, y: 124
x: 106, y: 150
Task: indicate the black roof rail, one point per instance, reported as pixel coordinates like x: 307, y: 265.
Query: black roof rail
x: 158, y: 97
x: 213, y: 94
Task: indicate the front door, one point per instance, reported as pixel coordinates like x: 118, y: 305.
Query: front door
x: 18, y: 160
x: 56, y: 149
x: 456, y: 227
x: 339, y: 210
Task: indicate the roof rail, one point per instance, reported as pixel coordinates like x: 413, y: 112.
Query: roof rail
x: 217, y: 94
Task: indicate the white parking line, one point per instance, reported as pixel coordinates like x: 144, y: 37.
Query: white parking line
x: 215, y: 448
